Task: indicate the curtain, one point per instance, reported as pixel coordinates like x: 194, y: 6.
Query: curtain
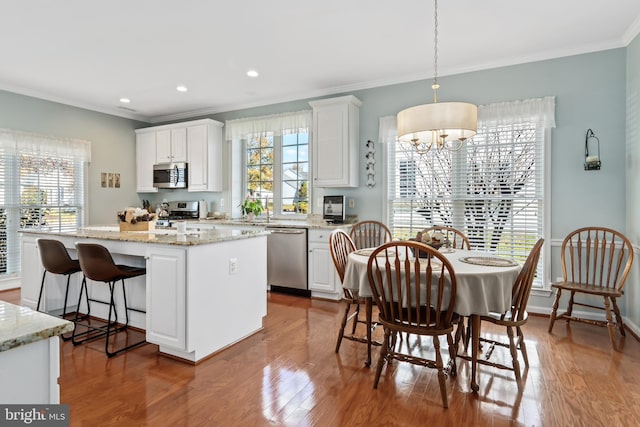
x: 12, y: 141
x: 239, y: 128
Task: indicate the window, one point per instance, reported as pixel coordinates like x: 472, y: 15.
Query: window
x: 42, y: 187
x: 493, y: 189
x: 275, y: 160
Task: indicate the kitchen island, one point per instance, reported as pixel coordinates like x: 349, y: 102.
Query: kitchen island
x: 204, y: 290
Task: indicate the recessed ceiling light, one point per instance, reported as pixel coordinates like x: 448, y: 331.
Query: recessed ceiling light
x: 252, y: 73
x: 125, y: 100
x: 181, y: 88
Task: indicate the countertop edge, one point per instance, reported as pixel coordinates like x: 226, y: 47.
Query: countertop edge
x: 55, y: 326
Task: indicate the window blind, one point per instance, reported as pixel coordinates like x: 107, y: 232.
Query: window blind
x: 492, y: 189
x: 43, y: 187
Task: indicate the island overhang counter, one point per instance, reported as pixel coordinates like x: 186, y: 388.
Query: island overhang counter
x: 203, y: 291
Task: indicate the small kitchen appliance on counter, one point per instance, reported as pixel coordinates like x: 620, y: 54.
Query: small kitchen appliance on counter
x: 333, y: 209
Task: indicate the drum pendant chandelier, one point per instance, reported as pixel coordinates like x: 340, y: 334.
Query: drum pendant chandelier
x: 447, y: 124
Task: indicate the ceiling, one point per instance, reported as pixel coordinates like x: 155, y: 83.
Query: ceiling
x: 90, y: 54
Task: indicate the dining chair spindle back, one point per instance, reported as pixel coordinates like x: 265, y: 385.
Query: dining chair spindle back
x: 595, y: 263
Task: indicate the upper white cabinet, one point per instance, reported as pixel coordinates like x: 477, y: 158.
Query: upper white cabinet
x: 198, y: 142
x: 336, y: 124
x: 145, y: 158
x: 204, y: 156
x: 171, y: 145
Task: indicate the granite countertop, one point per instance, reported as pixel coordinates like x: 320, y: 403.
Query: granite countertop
x: 21, y: 325
x: 164, y: 236
x: 279, y: 223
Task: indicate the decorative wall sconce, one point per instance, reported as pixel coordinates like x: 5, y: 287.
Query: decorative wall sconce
x: 592, y: 161
x: 371, y: 161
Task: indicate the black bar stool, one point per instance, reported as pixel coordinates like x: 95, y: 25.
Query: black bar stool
x: 98, y: 265
x: 56, y: 260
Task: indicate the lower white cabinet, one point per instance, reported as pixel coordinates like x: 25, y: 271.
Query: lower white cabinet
x: 166, y: 293
x: 323, y: 278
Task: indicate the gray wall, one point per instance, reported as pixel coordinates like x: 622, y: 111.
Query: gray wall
x: 112, y: 148
x: 632, y: 292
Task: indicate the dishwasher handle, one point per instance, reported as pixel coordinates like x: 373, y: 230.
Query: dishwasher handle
x: 285, y: 231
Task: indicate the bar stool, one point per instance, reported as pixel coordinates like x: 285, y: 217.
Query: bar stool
x: 56, y: 260
x: 98, y: 265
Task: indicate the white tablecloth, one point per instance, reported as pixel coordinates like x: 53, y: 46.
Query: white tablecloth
x: 481, y: 289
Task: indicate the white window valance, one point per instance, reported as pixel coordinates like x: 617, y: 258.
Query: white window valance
x: 538, y: 110
x: 277, y: 123
x: 20, y: 142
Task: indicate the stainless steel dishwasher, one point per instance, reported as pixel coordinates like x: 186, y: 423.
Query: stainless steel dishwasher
x: 287, y: 260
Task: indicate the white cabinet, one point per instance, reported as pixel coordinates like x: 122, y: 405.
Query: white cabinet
x: 197, y: 142
x: 166, y: 297
x: 323, y: 277
x: 336, y: 124
x: 30, y: 272
x: 204, y: 156
x: 145, y: 159
x: 171, y: 145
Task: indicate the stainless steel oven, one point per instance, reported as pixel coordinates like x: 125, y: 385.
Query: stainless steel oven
x: 170, y: 175
x: 287, y: 260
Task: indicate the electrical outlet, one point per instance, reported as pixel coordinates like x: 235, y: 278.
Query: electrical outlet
x: 233, y: 265
x: 352, y: 203
x: 222, y: 203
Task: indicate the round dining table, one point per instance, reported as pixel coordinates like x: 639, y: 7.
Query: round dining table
x: 484, y: 284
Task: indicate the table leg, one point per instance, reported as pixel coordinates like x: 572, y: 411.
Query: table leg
x: 368, y: 310
x: 474, y: 323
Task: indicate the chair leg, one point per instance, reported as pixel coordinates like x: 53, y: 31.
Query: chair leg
x: 66, y: 297
x: 514, y: 355
x: 610, y: 325
x: 441, y: 374
x: 117, y: 329
x: 44, y: 273
x: 111, y: 307
x: 342, y: 326
x: 453, y: 353
x: 523, y: 347
x: 384, y: 350
x: 616, y: 310
x: 554, y: 310
x: 570, y: 307
x: 355, y: 320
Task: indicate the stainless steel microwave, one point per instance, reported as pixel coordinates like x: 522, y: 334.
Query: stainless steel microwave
x: 170, y: 175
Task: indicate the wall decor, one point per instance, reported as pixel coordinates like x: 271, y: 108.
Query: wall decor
x: 371, y: 162
x: 592, y: 160
x: 110, y: 179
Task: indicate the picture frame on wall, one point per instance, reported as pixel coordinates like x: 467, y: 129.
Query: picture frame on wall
x: 110, y: 179
x: 103, y: 179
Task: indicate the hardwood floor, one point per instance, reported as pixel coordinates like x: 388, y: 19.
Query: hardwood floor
x: 289, y: 375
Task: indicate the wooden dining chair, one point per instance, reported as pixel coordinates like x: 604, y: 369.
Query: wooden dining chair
x: 595, y: 263
x: 341, y: 246
x: 405, y: 304
x: 453, y: 238
x: 370, y: 234
x: 515, y: 317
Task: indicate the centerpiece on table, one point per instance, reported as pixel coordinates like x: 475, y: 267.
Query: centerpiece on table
x: 251, y: 207
x: 136, y: 219
x: 435, y: 239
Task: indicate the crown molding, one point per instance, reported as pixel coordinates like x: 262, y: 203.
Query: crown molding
x: 632, y: 32
x: 72, y: 103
